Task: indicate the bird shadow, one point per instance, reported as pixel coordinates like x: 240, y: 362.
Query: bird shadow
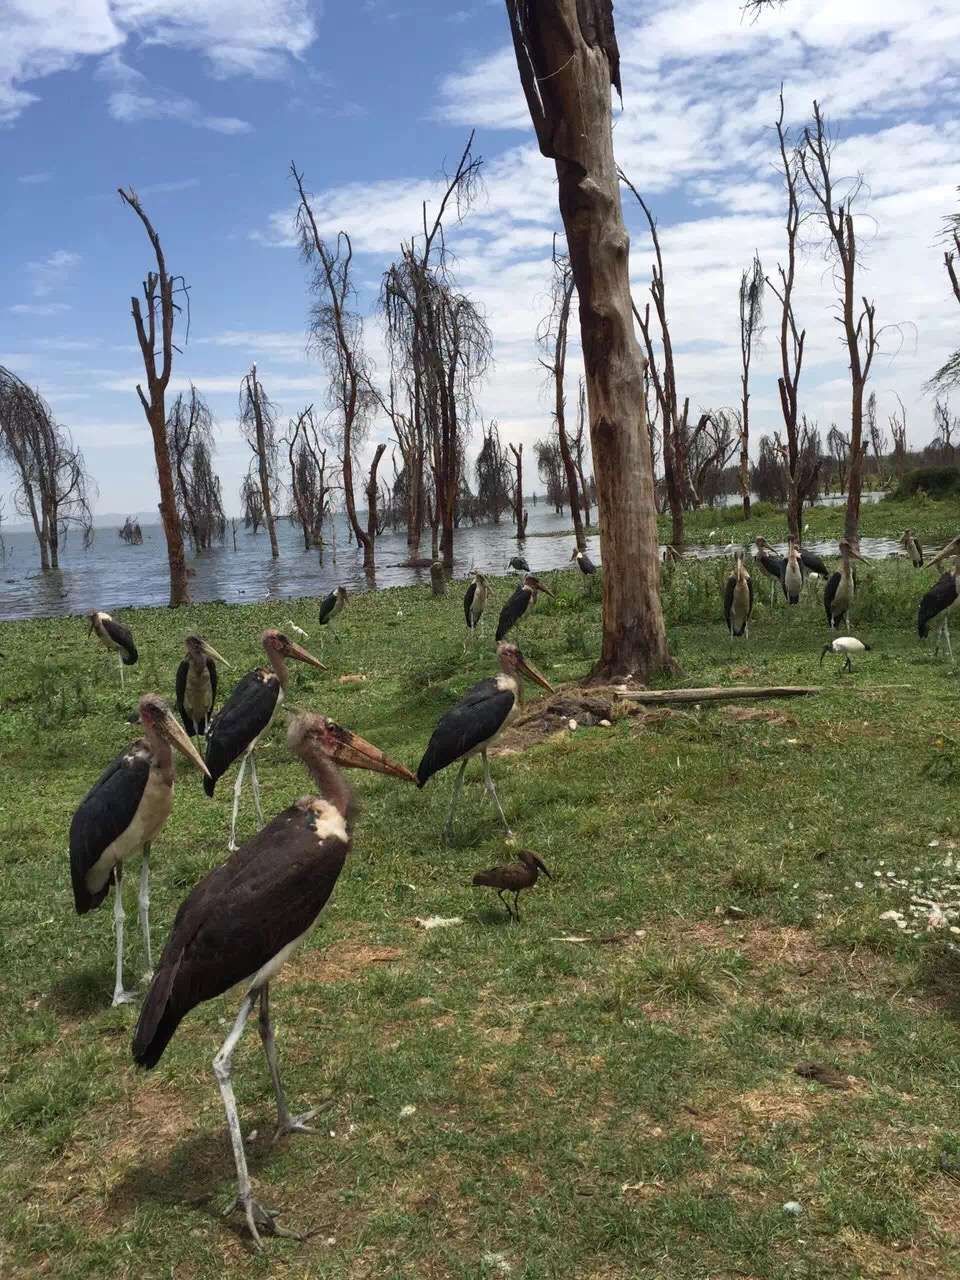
x: 83, y: 991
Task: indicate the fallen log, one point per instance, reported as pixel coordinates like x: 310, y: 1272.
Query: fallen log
x: 726, y: 693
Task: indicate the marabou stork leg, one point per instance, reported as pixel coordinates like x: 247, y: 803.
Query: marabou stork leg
x: 120, y: 661
x: 119, y: 995
x: 488, y: 783
x: 457, y: 786
x: 237, y: 787
x: 286, y: 1123
x: 256, y: 1214
x: 255, y: 785
x: 143, y: 907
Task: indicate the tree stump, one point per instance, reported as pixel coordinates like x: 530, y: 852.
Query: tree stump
x: 438, y: 579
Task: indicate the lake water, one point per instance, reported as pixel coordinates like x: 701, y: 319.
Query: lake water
x: 112, y: 576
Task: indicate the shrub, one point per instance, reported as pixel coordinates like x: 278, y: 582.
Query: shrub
x: 937, y: 482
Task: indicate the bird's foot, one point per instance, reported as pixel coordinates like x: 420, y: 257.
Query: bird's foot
x: 232, y: 847
x: 295, y: 1124
x: 260, y: 1220
x: 124, y: 997
x: 147, y: 977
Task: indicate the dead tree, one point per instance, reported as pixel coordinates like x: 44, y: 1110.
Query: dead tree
x: 258, y: 424
x: 404, y: 411
x: 859, y: 326
x: 551, y: 472
x: 130, y: 532
x: 839, y: 445
x: 948, y: 375
x: 878, y: 439
x: 898, y: 430
x: 336, y: 334
x: 552, y: 339
x: 309, y: 480
x: 161, y: 310
x: 492, y: 471
x: 751, y: 324
x: 190, y: 442
x: 713, y: 444
x: 251, y: 500
x: 519, y: 515
x: 580, y: 446
x: 942, y: 446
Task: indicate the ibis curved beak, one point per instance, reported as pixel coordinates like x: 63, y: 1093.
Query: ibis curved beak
x: 824, y: 651
x: 354, y: 752
x: 530, y: 671
x: 297, y: 651
x: 178, y: 738
x: 211, y: 652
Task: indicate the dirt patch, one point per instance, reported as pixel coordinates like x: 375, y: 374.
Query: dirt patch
x: 341, y: 961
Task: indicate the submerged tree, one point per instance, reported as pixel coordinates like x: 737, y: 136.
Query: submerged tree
x: 258, y: 423
x: 51, y: 479
x: 161, y: 310
x: 251, y: 500
x: 310, y: 479
x: 551, y: 472
x: 190, y: 441
x: 519, y: 515
x: 948, y: 375
x: 898, y: 429
x: 492, y: 471
x: 552, y: 337
x: 130, y: 532
x: 751, y: 324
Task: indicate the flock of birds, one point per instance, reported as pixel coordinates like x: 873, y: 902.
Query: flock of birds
x: 246, y: 918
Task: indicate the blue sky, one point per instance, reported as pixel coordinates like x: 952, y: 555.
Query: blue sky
x: 201, y: 107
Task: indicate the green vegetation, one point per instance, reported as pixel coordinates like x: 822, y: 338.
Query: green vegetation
x: 937, y: 482
x: 625, y: 1110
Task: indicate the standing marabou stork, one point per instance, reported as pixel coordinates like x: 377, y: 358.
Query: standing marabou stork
x: 197, y: 685
x: 519, y: 602
x: 584, y: 563
x: 738, y: 600
x: 114, y: 635
x: 474, y: 723
x: 245, y: 715
x: 474, y: 600
x: 769, y: 562
x: 245, y: 919
x: 847, y: 645
x: 940, y: 600
x: 519, y: 563
x: 792, y: 580
x: 913, y: 548
x: 838, y: 596
x: 331, y: 607
x: 120, y: 816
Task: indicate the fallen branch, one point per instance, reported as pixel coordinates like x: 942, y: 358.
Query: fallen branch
x: 661, y: 697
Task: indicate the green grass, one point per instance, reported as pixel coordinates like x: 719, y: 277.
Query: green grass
x: 583, y: 1112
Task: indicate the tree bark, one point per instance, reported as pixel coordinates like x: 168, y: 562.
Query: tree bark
x: 568, y: 58
x: 371, y: 539
x: 518, y: 515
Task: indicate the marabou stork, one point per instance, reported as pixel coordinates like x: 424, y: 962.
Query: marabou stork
x: 197, y: 685
x: 474, y: 600
x: 331, y: 607
x: 584, y: 563
x: 519, y: 602
x: 474, y: 723
x: 913, y: 548
x: 847, y: 645
x: 245, y: 715
x: 513, y: 877
x: 792, y: 580
x: 769, y: 562
x: 120, y: 816
x: 115, y: 636
x: 814, y: 563
x: 518, y: 563
x: 838, y: 596
x: 738, y: 600
x: 245, y: 919
x: 940, y: 600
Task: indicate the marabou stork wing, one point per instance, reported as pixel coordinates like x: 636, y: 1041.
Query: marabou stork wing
x: 587, y: 565
x: 122, y: 636
x: 238, y: 918
x: 243, y: 717
x: 941, y: 596
x: 105, y: 812
x: 467, y: 725
x: 829, y: 592
x: 212, y: 672
x: 814, y: 563
x: 728, y: 597
x: 182, y: 671
x: 513, y: 611
x: 327, y: 607
x: 468, y: 601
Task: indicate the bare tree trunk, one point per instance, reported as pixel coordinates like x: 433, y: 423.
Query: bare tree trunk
x: 563, y: 296
x: 519, y: 518
x: 370, y: 543
x: 568, y: 58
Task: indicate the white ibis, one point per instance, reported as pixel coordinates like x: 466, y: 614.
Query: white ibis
x: 913, y: 548
x: 121, y: 816
x: 513, y: 877
x: 769, y: 562
x: 474, y: 723
x: 738, y: 600
x: 839, y: 592
x: 474, y: 600
x: 939, y: 601
x: 584, y: 563
x: 115, y: 637
x: 297, y: 631
x: 792, y: 579
x: 846, y: 645
x: 331, y: 607
x: 197, y: 685
x: 245, y: 715
x: 245, y: 919
x: 519, y: 602
x: 519, y: 563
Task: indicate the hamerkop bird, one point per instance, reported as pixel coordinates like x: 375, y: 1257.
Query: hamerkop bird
x: 513, y: 877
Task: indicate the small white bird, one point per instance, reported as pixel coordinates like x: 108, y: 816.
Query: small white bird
x: 297, y: 631
x: 846, y: 645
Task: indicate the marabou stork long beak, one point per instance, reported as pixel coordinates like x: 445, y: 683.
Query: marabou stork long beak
x: 173, y: 730
x: 211, y: 652
x: 353, y: 752
x: 530, y: 671
x: 297, y: 651
x: 855, y: 555
x: 949, y: 549
x: 540, y: 587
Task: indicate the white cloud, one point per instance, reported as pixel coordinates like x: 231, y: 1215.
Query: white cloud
x: 130, y: 107
x: 39, y: 308
x: 50, y: 273
x: 34, y: 179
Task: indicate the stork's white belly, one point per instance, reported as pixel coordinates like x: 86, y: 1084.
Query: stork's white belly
x: 267, y: 972
x: 793, y: 580
x: 152, y: 812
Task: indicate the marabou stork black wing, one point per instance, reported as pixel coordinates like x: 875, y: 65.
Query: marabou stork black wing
x: 586, y: 564
x: 814, y: 563
x: 941, y: 596
x: 212, y: 672
x: 772, y: 564
x: 919, y: 545
x: 237, y: 919
x: 182, y: 672
x: 728, y: 597
x: 243, y: 717
x: 468, y: 602
x: 520, y: 564
x: 105, y: 812
x: 829, y: 592
x: 513, y: 611
x: 327, y: 607
x: 122, y: 636
x: 467, y: 725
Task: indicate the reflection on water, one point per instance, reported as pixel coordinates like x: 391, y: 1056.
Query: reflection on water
x: 111, y: 575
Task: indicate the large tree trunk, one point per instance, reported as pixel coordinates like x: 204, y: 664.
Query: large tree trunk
x: 744, y: 474
x: 172, y: 532
x: 851, y: 523
x: 567, y: 56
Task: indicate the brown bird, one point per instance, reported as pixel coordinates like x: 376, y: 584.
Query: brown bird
x: 513, y: 877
